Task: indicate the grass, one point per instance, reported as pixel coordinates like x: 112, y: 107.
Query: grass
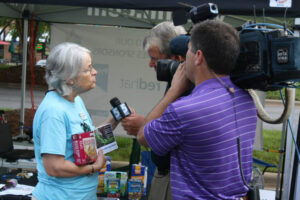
x: 3, y: 66
x: 6, y: 109
x: 124, y: 149
x: 271, y: 139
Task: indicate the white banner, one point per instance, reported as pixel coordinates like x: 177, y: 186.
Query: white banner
x: 122, y: 67
x: 281, y: 3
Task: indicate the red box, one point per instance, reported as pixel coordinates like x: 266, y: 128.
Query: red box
x: 84, y: 147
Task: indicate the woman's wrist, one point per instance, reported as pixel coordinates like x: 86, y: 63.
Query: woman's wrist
x: 91, y: 170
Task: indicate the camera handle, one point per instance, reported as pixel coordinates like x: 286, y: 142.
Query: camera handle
x: 288, y: 104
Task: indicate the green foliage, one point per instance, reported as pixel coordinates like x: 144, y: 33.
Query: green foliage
x: 276, y: 94
x: 272, y: 141
x: 6, y: 109
x: 124, y: 149
x: 4, y: 66
x: 14, y: 26
x: 7, y: 21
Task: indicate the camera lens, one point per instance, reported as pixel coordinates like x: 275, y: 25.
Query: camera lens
x: 166, y: 69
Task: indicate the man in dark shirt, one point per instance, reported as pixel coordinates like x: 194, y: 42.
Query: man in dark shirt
x: 156, y: 43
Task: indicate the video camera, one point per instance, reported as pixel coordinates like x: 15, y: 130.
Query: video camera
x: 268, y: 57
x: 166, y: 68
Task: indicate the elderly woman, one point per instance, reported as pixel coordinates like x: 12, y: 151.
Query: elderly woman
x: 62, y: 113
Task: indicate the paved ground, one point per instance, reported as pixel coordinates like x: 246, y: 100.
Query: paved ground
x: 10, y: 97
x: 270, y: 180
x: 275, y: 108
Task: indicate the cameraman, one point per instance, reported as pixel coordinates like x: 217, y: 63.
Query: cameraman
x: 156, y: 43
x: 201, y: 130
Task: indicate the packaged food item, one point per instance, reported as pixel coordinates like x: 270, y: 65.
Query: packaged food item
x: 135, y: 189
x: 113, y: 188
x: 84, y: 147
x: 106, y: 168
x: 140, y: 172
x: 110, y: 183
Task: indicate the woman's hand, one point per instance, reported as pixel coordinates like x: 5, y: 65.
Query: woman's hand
x: 100, y: 162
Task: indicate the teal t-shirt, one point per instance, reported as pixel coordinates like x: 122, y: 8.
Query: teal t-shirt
x: 55, y: 121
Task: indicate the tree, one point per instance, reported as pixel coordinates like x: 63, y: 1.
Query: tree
x: 36, y: 30
x: 4, y: 22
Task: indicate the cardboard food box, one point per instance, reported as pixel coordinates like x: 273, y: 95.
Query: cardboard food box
x: 84, y: 147
x: 140, y: 172
x: 115, y: 183
x: 101, y: 173
x: 135, y: 189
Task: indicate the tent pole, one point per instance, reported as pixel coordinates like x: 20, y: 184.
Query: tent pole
x: 296, y: 180
x: 24, y: 66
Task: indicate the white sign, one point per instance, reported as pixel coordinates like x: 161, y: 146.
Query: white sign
x: 281, y: 3
x: 267, y: 194
x: 122, y: 66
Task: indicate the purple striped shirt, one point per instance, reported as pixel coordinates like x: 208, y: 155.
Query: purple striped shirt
x: 200, y: 132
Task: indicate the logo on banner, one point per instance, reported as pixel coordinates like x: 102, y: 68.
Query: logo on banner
x: 102, y: 76
x: 131, y: 13
x: 281, y: 3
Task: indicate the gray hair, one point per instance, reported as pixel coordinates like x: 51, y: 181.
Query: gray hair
x: 161, y: 35
x: 63, y: 64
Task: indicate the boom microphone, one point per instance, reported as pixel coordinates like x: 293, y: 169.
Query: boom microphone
x: 9, y: 184
x: 119, y: 110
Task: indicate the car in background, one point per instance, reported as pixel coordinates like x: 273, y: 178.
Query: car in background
x: 41, y: 63
x: 3, y: 61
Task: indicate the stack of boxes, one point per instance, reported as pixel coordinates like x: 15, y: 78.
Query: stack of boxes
x: 114, y: 184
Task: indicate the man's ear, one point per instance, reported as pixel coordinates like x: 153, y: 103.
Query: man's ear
x: 198, y: 57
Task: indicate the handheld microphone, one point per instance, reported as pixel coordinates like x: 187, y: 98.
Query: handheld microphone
x: 9, y: 184
x: 119, y: 110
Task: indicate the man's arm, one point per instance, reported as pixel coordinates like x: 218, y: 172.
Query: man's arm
x: 179, y: 84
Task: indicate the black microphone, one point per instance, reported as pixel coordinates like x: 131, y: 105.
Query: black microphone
x: 9, y: 184
x: 119, y: 110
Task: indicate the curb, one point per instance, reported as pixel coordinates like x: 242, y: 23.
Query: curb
x: 18, y: 86
x: 270, y: 180
x: 278, y: 102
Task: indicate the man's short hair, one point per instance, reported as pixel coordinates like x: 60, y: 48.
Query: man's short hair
x: 219, y: 43
x: 161, y: 35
